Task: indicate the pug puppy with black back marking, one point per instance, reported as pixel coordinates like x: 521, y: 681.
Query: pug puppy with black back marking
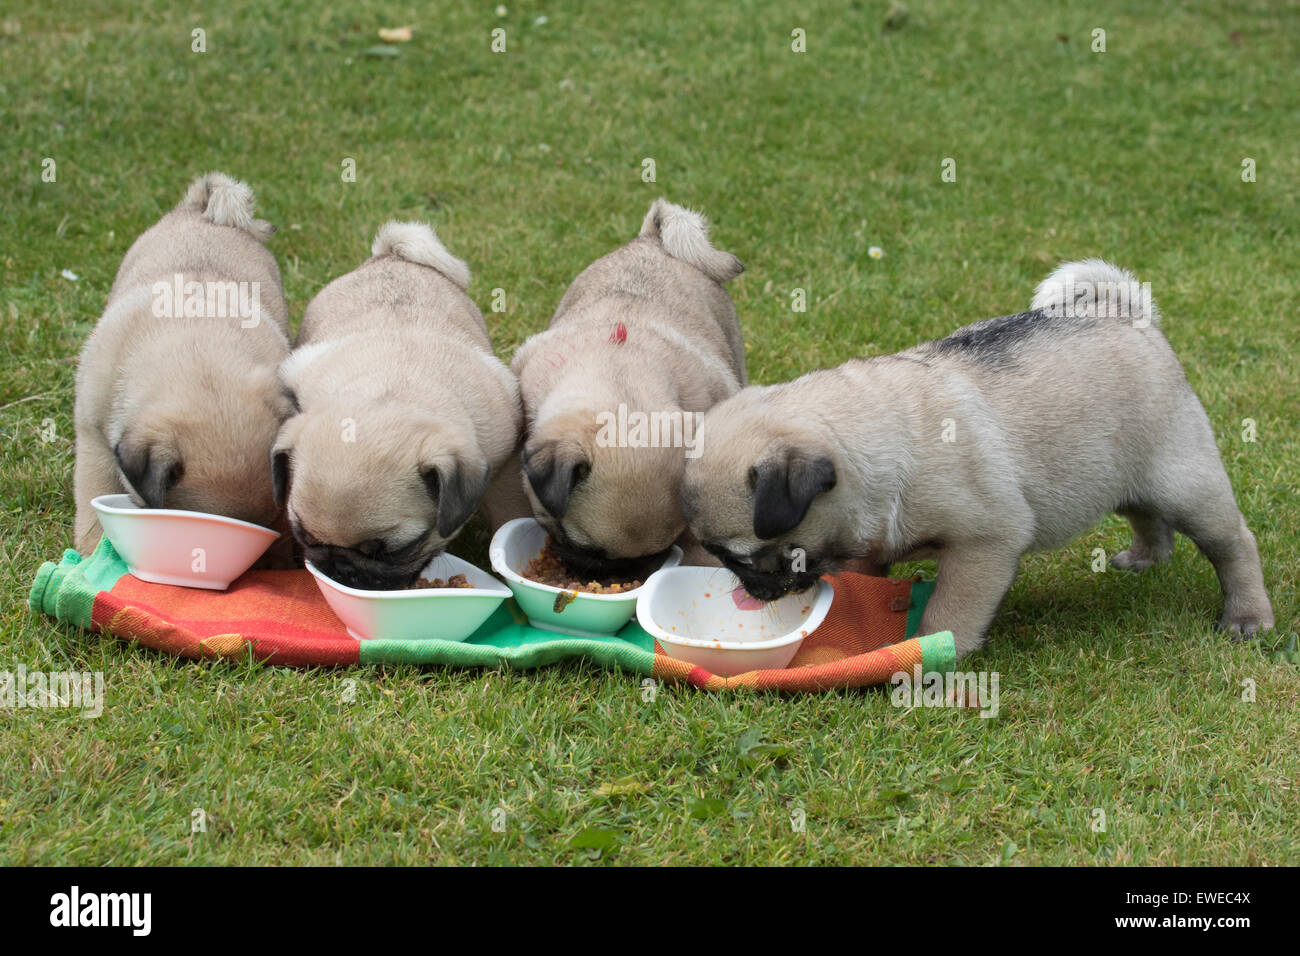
x: 1010, y: 435
x: 177, y: 398
x: 403, y: 414
x: 643, y: 340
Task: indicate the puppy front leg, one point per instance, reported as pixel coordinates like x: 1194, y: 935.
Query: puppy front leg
x: 875, y: 569
x: 970, y: 586
x: 284, y: 554
x: 505, y: 498
x: 94, y: 474
x: 693, y: 553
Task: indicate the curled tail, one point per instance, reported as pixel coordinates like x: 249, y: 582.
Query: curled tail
x: 223, y: 201
x: 417, y: 242
x: 684, y: 235
x: 1094, y: 288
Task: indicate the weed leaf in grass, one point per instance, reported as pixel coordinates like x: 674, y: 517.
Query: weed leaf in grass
x: 379, y: 51
x: 896, y: 794
x: 623, y: 786
x: 1289, y: 654
x: 595, y: 838
x: 754, y: 748
x: 1008, y: 851
x: 705, y: 808
x: 953, y: 783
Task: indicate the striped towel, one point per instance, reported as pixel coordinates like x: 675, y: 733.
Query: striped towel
x: 280, y: 617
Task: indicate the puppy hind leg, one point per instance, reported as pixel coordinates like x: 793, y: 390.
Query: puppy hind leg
x: 1153, y: 542
x: 969, y: 589
x: 1193, y: 493
x: 1228, y: 543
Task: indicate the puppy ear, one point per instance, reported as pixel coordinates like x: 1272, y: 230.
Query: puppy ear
x: 267, y: 384
x: 282, y: 462
x: 284, y: 402
x: 281, y: 466
x: 457, y: 483
x: 554, y: 470
x: 784, y: 488
x: 150, y: 470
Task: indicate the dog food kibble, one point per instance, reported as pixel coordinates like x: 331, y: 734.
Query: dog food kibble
x: 548, y: 568
x: 455, y: 581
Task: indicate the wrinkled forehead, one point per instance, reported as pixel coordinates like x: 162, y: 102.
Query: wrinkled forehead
x: 625, y: 468
x: 331, y: 514
x: 354, y: 483
x: 627, y: 494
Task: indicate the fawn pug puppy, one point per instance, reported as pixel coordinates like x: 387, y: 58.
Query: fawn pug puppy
x: 1011, y: 434
x: 644, y: 338
x: 177, y: 399
x: 403, y: 413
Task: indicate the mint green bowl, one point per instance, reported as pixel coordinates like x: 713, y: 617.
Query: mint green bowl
x: 580, y: 614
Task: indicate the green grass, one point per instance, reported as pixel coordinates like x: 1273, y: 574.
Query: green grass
x: 1115, y: 693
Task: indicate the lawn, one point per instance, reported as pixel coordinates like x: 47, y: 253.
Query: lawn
x: 1129, y: 732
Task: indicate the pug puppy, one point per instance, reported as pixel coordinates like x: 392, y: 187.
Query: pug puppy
x: 403, y: 414
x: 177, y: 398
x: 644, y: 339
x: 1012, y: 434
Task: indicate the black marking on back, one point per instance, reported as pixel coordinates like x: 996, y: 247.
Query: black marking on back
x: 994, y: 340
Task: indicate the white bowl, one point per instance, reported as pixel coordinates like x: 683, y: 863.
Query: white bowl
x: 443, y: 614
x: 693, y: 615
x: 188, y: 548
x: 581, y: 614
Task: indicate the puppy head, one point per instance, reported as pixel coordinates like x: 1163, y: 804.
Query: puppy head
x: 203, y: 447
x: 373, y: 494
x: 761, y: 496
x: 609, y: 509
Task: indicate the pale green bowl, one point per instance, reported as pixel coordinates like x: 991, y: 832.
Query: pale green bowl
x: 580, y: 614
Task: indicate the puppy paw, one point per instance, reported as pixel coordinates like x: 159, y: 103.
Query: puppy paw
x: 1131, y: 560
x: 1243, y: 625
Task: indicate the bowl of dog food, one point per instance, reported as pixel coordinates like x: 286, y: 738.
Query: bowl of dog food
x: 448, y: 602
x: 705, y: 616
x: 188, y: 548
x: 554, y: 598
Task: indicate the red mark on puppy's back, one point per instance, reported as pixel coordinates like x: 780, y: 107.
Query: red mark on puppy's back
x: 619, y: 335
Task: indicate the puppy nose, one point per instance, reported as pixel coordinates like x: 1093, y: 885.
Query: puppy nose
x: 372, y: 547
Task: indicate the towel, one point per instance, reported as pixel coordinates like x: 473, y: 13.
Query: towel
x: 281, y: 617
